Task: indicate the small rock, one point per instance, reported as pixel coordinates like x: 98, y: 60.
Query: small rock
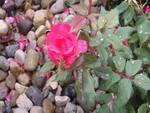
x: 24, y: 79
x: 58, y: 7
x: 3, y: 28
x: 51, y: 97
x: 71, y: 2
x: 36, y: 109
x: 8, y: 7
x: 70, y: 17
x: 41, y: 41
x: 96, y: 85
x: 35, y: 95
x: 13, y: 97
x: 48, y: 107
x: 7, y: 110
x: 48, y: 24
x: 36, y: 7
x: 11, y: 13
x: 20, y: 110
x: 40, y: 31
x: 61, y: 100
x: 31, y: 60
x: 18, y: 3
x: 70, y: 107
x: 3, y: 75
x: 94, y: 2
x: 17, y: 37
x: 31, y: 46
x: 59, y: 90
x: 36, y: 2
x: 20, y: 57
x: 54, y: 85
x: 59, y: 109
x: 27, y: 6
x: 30, y: 14
x: 11, y: 49
x: 24, y: 102
x: 4, y: 64
x: 2, y: 105
x: 46, y: 3
x: 10, y: 81
x: 2, y: 13
x: 31, y: 36
x: 20, y: 88
x: 79, y: 109
x: 3, y: 91
x: 2, y: 2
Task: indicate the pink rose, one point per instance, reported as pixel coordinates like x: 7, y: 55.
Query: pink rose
x: 63, y: 45
x: 147, y: 9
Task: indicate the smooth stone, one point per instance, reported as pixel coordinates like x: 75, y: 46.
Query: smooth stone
x: 11, y: 81
x: 48, y: 107
x: 46, y: 3
x: 51, y: 97
x: 17, y: 37
x: 39, y: 18
x: 7, y: 110
x: 30, y: 14
x: 96, y: 85
x: 24, y: 79
x: 9, y: 26
x: 20, y: 110
x: 2, y: 2
x: 94, y: 2
x: 58, y: 7
x: 35, y: 95
x: 31, y: 61
x: 24, y: 102
x: 2, y: 105
x: 40, y: 31
x: 79, y: 109
x: 8, y: 7
x: 41, y: 41
x: 11, y: 49
x: 71, y: 2
x: 13, y: 97
x: 46, y: 91
x: 27, y: 6
x: 4, y: 64
x: 3, y: 75
x: 24, y: 26
x: 48, y: 24
x: 2, y: 13
x: 36, y: 109
x: 59, y: 109
x: 11, y: 13
x: 33, y: 29
x: 20, y: 88
x: 59, y: 90
x: 3, y: 91
x: 3, y: 28
x: 69, y: 91
x: 61, y: 100
x: 20, y: 57
x: 36, y: 7
x: 31, y: 46
x: 54, y: 85
x: 18, y: 3
x: 70, y: 107
x: 31, y: 36
x: 36, y: 2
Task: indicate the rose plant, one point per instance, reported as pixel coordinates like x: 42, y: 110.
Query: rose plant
x: 112, y: 45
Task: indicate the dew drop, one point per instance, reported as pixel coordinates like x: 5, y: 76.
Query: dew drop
x: 101, y: 39
x: 107, y: 75
x: 108, y: 34
x: 140, y: 31
x: 132, y: 62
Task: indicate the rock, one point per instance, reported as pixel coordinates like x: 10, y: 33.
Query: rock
x: 79, y: 109
x: 24, y: 79
x: 51, y: 97
x: 54, y: 85
x: 3, y: 91
x: 11, y: 13
x: 24, y: 26
x: 35, y: 95
x: 71, y: 2
x: 20, y: 88
x: 36, y: 7
x: 24, y: 102
x: 36, y: 2
x: 2, y: 13
x: 2, y: 2
x: 41, y: 41
x: 2, y: 105
x: 20, y: 57
x: 70, y: 17
x: 46, y: 3
x: 38, y: 79
x: 10, y: 81
x: 36, y: 109
x: 59, y: 109
x: 27, y: 6
x: 18, y: 3
x: 7, y: 110
x: 61, y: 100
x: 13, y: 97
x: 69, y: 91
x: 31, y: 60
x: 20, y: 110
x: 3, y: 75
x: 31, y: 46
x: 48, y: 107
x: 58, y: 7
x: 31, y: 36
x: 94, y: 2
x: 8, y: 7
x: 17, y: 37
x: 39, y: 18
x: 48, y: 24
x: 40, y: 31
x: 59, y: 90
x: 3, y: 28
x: 11, y: 49
x: 96, y: 85
x: 70, y: 107
x: 30, y: 14
x: 4, y: 64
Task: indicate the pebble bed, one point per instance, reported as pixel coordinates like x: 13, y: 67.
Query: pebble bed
x: 23, y: 28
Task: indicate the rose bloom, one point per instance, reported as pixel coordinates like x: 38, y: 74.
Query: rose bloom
x: 147, y: 9
x: 63, y: 45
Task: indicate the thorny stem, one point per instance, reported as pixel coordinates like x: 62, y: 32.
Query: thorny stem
x: 145, y: 69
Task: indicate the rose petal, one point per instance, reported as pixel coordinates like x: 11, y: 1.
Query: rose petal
x: 82, y: 47
x: 66, y: 12
x: 7, y: 1
x: 48, y: 76
x: 21, y: 47
x: 147, y: 9
x: 11, y: 19
x: 69, y: 61
x: 124, y: 43
x: 7, y: 97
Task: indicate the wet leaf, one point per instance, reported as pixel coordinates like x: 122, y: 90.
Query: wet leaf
x: 47, y: 66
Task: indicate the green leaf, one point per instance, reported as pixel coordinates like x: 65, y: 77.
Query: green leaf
x: 89, y: 59
x: 103, y: 109
x: 78, y: 89
x: 122, y: 7
x: 117, y: 109
x: 143, y: 31
x: 101, y: 21
x: 143, y: 108
x: 47, y: 67
x: 140, y: 20
x: 96, y: 41
x: 124, y: 92
x: 104, y: 98
x: 134, y: 38
x: 112, y: 18
x: 119, y: 63
x: 62, y: 76
x: 142, y: 81
x: 132, y: 67
x: 130, y: 109
x: 124, y: 32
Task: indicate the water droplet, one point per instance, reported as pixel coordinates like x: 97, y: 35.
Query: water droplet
x: 132, y: 62
x: 108, y: 34
x: 107, y: 75
x: 140, y: 26
x: 120, y: 58
x: 140, y: 31
x: 120, y: 36
x: 101, y: 39
x: 139, y: 83
x: 103, y: 20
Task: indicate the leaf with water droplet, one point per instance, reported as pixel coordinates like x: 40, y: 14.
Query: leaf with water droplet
x: 104, y: 98
x: 101, y: 21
